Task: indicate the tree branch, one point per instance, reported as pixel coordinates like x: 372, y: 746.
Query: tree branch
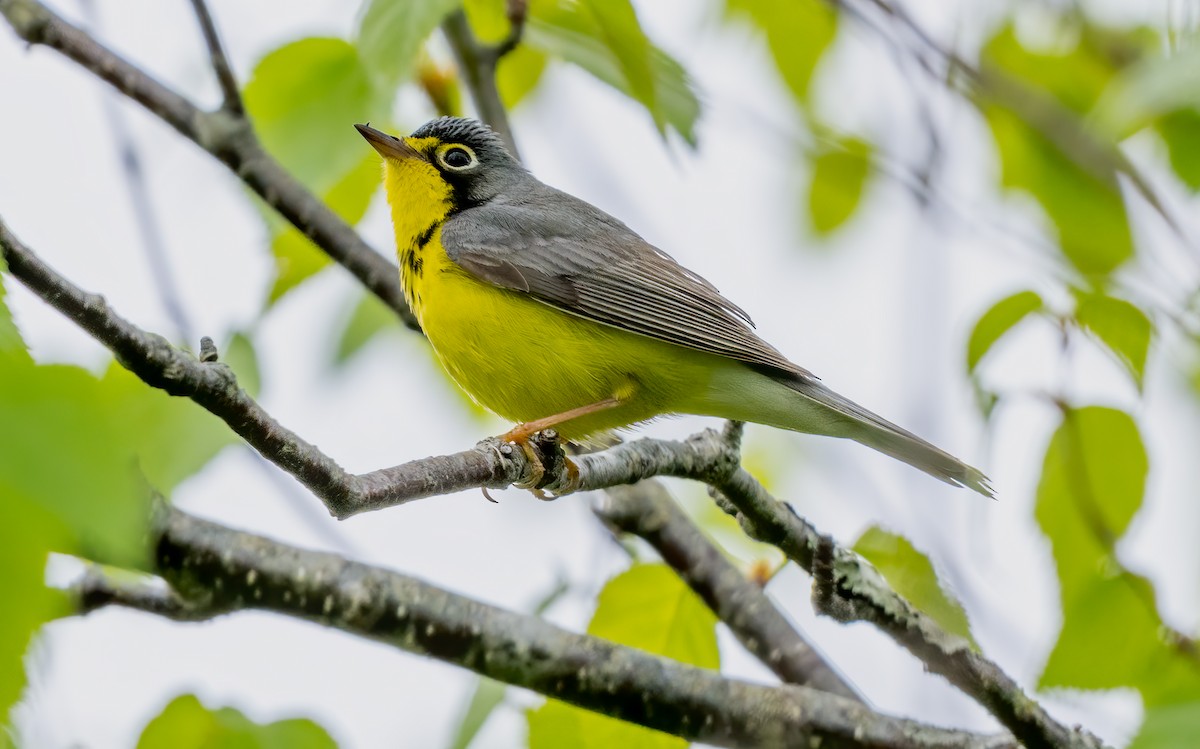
x: 232, y: 96
x: 847, y: 588
x: 233, y: 570
x: 225, y: 134
x: 478, y: 65
x: 647, y: 510
x: 853, y: 589
x: 98, y: 589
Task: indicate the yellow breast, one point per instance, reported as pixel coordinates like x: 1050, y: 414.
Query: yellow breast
x: 514, y: 355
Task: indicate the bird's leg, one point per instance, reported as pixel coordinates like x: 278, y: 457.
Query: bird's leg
x: 523, y: 435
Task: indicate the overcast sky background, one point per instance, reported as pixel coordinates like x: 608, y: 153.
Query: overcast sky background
x: 881, y: 312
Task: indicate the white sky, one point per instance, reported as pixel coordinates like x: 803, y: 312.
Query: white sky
x: 881, y: 312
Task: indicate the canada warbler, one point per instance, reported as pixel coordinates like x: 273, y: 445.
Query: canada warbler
x: 552, y: 313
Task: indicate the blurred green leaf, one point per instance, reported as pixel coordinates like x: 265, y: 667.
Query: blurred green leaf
x: 391, y: 33
x: 1180, y: 131
x: 1092, y: 483
x: 187, y: 724
x: 297, y: 258
x: 303, y: 98
x: 370, y: 316
x: 11, y: 343
x: 90, y: 450
x: 1083, y: 200
x: 519, y: 73
x: 649, y: 608
x: 618, y: 29
x: 1109, y: 615
x: 239, y: 354
x: 60, y: 448
x: 1169, y: 727
x: 488, y: 695
x: 839, y: 176
x: 1153, y: 87
x: 27, y: 533
x: 1000, y: 318
x: 798, y: 32
x: 488, y: 19
x: 571, y: 30
x: 912, y: 575
x: 172, y: 438
x: 1121, y: 326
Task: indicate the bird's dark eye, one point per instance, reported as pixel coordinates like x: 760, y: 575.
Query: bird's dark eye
x: 457, y: 157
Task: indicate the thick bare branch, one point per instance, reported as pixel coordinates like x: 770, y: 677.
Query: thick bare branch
x: 236, y: 570
x: 227, y: 136
x: 647, y: 510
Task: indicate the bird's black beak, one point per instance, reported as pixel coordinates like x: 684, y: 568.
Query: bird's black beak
x: 388, y: 146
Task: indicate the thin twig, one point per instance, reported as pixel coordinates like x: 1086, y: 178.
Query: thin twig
x: 98, y: 589
x: 647, y: 510
x: 153, y: 240
x: 231, y: 95
x: 239, y: 570
x: 478, y: 65
x: 228, y: 137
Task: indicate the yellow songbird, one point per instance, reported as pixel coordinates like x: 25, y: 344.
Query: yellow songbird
x: 554, y: 314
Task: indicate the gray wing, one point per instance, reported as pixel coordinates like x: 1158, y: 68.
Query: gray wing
x: 573, y: 256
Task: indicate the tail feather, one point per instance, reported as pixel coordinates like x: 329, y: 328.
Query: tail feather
x: 802, y: 404
x: 876, y: 432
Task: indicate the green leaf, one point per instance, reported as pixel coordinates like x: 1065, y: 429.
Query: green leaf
x: 1121, y: 326
x: 488, y: 19
x: 370, y: 316
x: 239, y: 354
x: 296, y: 257
x: 60, y: 448
x: 571, y: 31
x: 488, y: 695
x: 1092, y: 483
x: 618, y: 29
x: 518, y: 74
x: 1108, y: 615
x: 1083, y: 200
x: 798, y: 32
x: 27, y: 534
x: 1000, y: 318
x: 187, y: 724
x: 391, y: 33
x: 303, y: 97
x: 11, y: 343
x: 839, y: 176
x: 1180, y: 130
x: 89, y: 451
x: 912, y: 575
x: 172, y: 438
x: 647, y: 607
x: 1168, y: 726
x: 1156, y: 86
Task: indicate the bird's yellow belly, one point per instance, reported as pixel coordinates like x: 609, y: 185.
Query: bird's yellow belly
x: 525, y: 360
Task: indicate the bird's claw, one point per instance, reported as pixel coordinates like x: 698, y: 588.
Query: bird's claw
x: 549, y: 467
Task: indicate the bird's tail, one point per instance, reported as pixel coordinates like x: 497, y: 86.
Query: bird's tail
x: 803, y: 404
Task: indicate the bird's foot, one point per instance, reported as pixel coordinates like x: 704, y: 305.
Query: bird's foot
x: 549, y: 467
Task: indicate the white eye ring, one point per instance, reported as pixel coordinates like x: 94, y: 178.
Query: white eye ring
x: 454, y: 152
